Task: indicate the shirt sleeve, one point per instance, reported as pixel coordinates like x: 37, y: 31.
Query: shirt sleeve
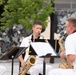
x: 70, y: 46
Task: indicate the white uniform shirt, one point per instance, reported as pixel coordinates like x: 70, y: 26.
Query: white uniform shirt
x: 25, y: 43
x: 70, y: 47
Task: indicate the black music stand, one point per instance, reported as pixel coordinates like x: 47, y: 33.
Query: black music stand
x: 34, y: 52
x: 12, y: 54
x: 53, y: 43
x: 44, y: 63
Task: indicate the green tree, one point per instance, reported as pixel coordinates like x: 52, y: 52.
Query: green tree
x: 0, y: 2
x: 25, y: 12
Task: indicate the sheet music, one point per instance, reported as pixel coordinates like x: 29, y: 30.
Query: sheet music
x: 43, y: 48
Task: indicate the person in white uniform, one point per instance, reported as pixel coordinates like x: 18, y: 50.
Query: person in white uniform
x: 2, y: 70
x: 38, y: 67
x: 70, y: 49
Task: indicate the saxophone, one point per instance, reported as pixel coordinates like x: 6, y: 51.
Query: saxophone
x: 67, y: 64
x: 29, y: 62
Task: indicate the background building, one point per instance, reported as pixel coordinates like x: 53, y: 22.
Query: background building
x: 55, y: 24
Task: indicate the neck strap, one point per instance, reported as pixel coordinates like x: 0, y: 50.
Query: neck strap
x: 34, y: 39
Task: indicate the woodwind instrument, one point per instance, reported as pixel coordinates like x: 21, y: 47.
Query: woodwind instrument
x: 29, y: 62
x: 67, y: 64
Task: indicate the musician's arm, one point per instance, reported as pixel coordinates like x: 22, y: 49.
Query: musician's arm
x: 71, y: 57
x: 21, y: 60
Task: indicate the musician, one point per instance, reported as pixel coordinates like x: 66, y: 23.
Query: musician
x: 38, y: 67
x: 2, y: 70
x: 70, y: 49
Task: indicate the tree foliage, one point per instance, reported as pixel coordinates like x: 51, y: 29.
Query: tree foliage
x: 0, y: 2
x: 25, y: 12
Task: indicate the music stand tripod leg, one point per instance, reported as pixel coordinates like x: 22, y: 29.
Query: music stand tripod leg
x: 44, y: 67
x: 12, y: 65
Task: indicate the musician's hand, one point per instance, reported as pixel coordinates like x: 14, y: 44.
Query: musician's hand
x: 62, y: 54
x: 22, y: 64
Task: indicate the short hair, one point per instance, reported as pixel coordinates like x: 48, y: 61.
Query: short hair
x: 37, y: 23
x: 72, y: 20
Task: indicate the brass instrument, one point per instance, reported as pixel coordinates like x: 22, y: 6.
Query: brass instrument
x: 67, y: 64
x: 29, y: 62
